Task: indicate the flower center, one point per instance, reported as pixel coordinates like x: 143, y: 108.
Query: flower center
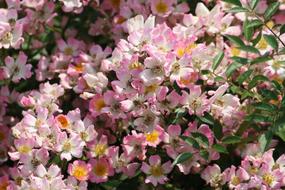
x: 268, y: 179
x: 152, y: 137
x: 235, y: 180
x: 6, y: 38
x: 79, y: 172
x: 100, y: 149
x: 63, y: 121
x: 99, y: 104
x: 68, y: 51
x: 100, y: 170
x: 67, y: 146
x: 156, y: 171
x: 24, y: 149
x: 262, y: 44
x: 161, y: 7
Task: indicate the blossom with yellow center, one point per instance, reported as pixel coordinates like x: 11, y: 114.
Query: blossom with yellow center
x: 100, y: 171
x: 152, y: 137
x: 80, y: 170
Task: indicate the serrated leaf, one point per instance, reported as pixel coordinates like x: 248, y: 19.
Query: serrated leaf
x: 204, y: 154
x: 256, y: 80
x: 217, y: 60
x: 265, y: 140
x: 258, y: 118
x: 232, y: 67
x: 234, y: 2
x: 240, y: 59
x: 191, y: 141
x: 271, y: 10
x: 235, y: 40
x: 244, y: 76
x: 264, y: 106
x: 261, y: 59
x: 231, y: 140
x: 219, y: 148
x: 253, y: 4
x: 218, y: 130
x: 207, y: 118
x: 237, y: 10
x: 247, y: 31
x: 250, y: 49
x: 200, y: 138
x: 254, y: 23
x: 282, y: 29
x: 182, y: 158
x: 271, y: 40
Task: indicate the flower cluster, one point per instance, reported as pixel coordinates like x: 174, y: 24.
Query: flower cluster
x: 127, y: 93
x: 255, y: 171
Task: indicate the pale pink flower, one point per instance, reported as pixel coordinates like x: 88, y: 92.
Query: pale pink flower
x: 79, y: 169
x: 101, y: 170
x: 156, y: 171
x: 162, y: 7
x: 69, y: 146
x: 18, y: 69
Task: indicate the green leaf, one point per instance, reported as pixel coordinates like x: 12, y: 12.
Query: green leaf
x: 256, y: 80
x: 237, y: 10
x: 234, y: 2
x: 244, y: 76
x: 200, y: 138
x: 282, y: 29
x: 276, y: 85
x: 241, y: 60
x: 235, y: 40
x: 247, y: 31
x: 271, y: 10
x: 191, y: 141
x: 207, y: 118
x: 219, y: 79
x: 261, y: 59
x: 217, y: 60
x: 253, y: 4
x: 254, y: 23
x: 220, y: 148
x: 218, y: 130
x: 204, y: 154
x: 256, y: 118
x: 234, y: 66
x: 231, y: 140
x: 271, y: 40
x: 264, y: 140
x: 182, y: 158
x: 250, y: 49
x: 257, y: 39
x: 265, y: 106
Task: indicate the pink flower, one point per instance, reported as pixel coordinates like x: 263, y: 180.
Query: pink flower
x: 212, y: 175
x: 18, y: 69
x: 98, y: 148
x: 101, y: 170
x: 134, y: 145
x: 79, y: 169
x: 155, y: 170
x: 196, y: 102
x: 69, y: 146
x: 162, y: 7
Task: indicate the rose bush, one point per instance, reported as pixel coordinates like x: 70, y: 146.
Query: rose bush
x: 155, y: 94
